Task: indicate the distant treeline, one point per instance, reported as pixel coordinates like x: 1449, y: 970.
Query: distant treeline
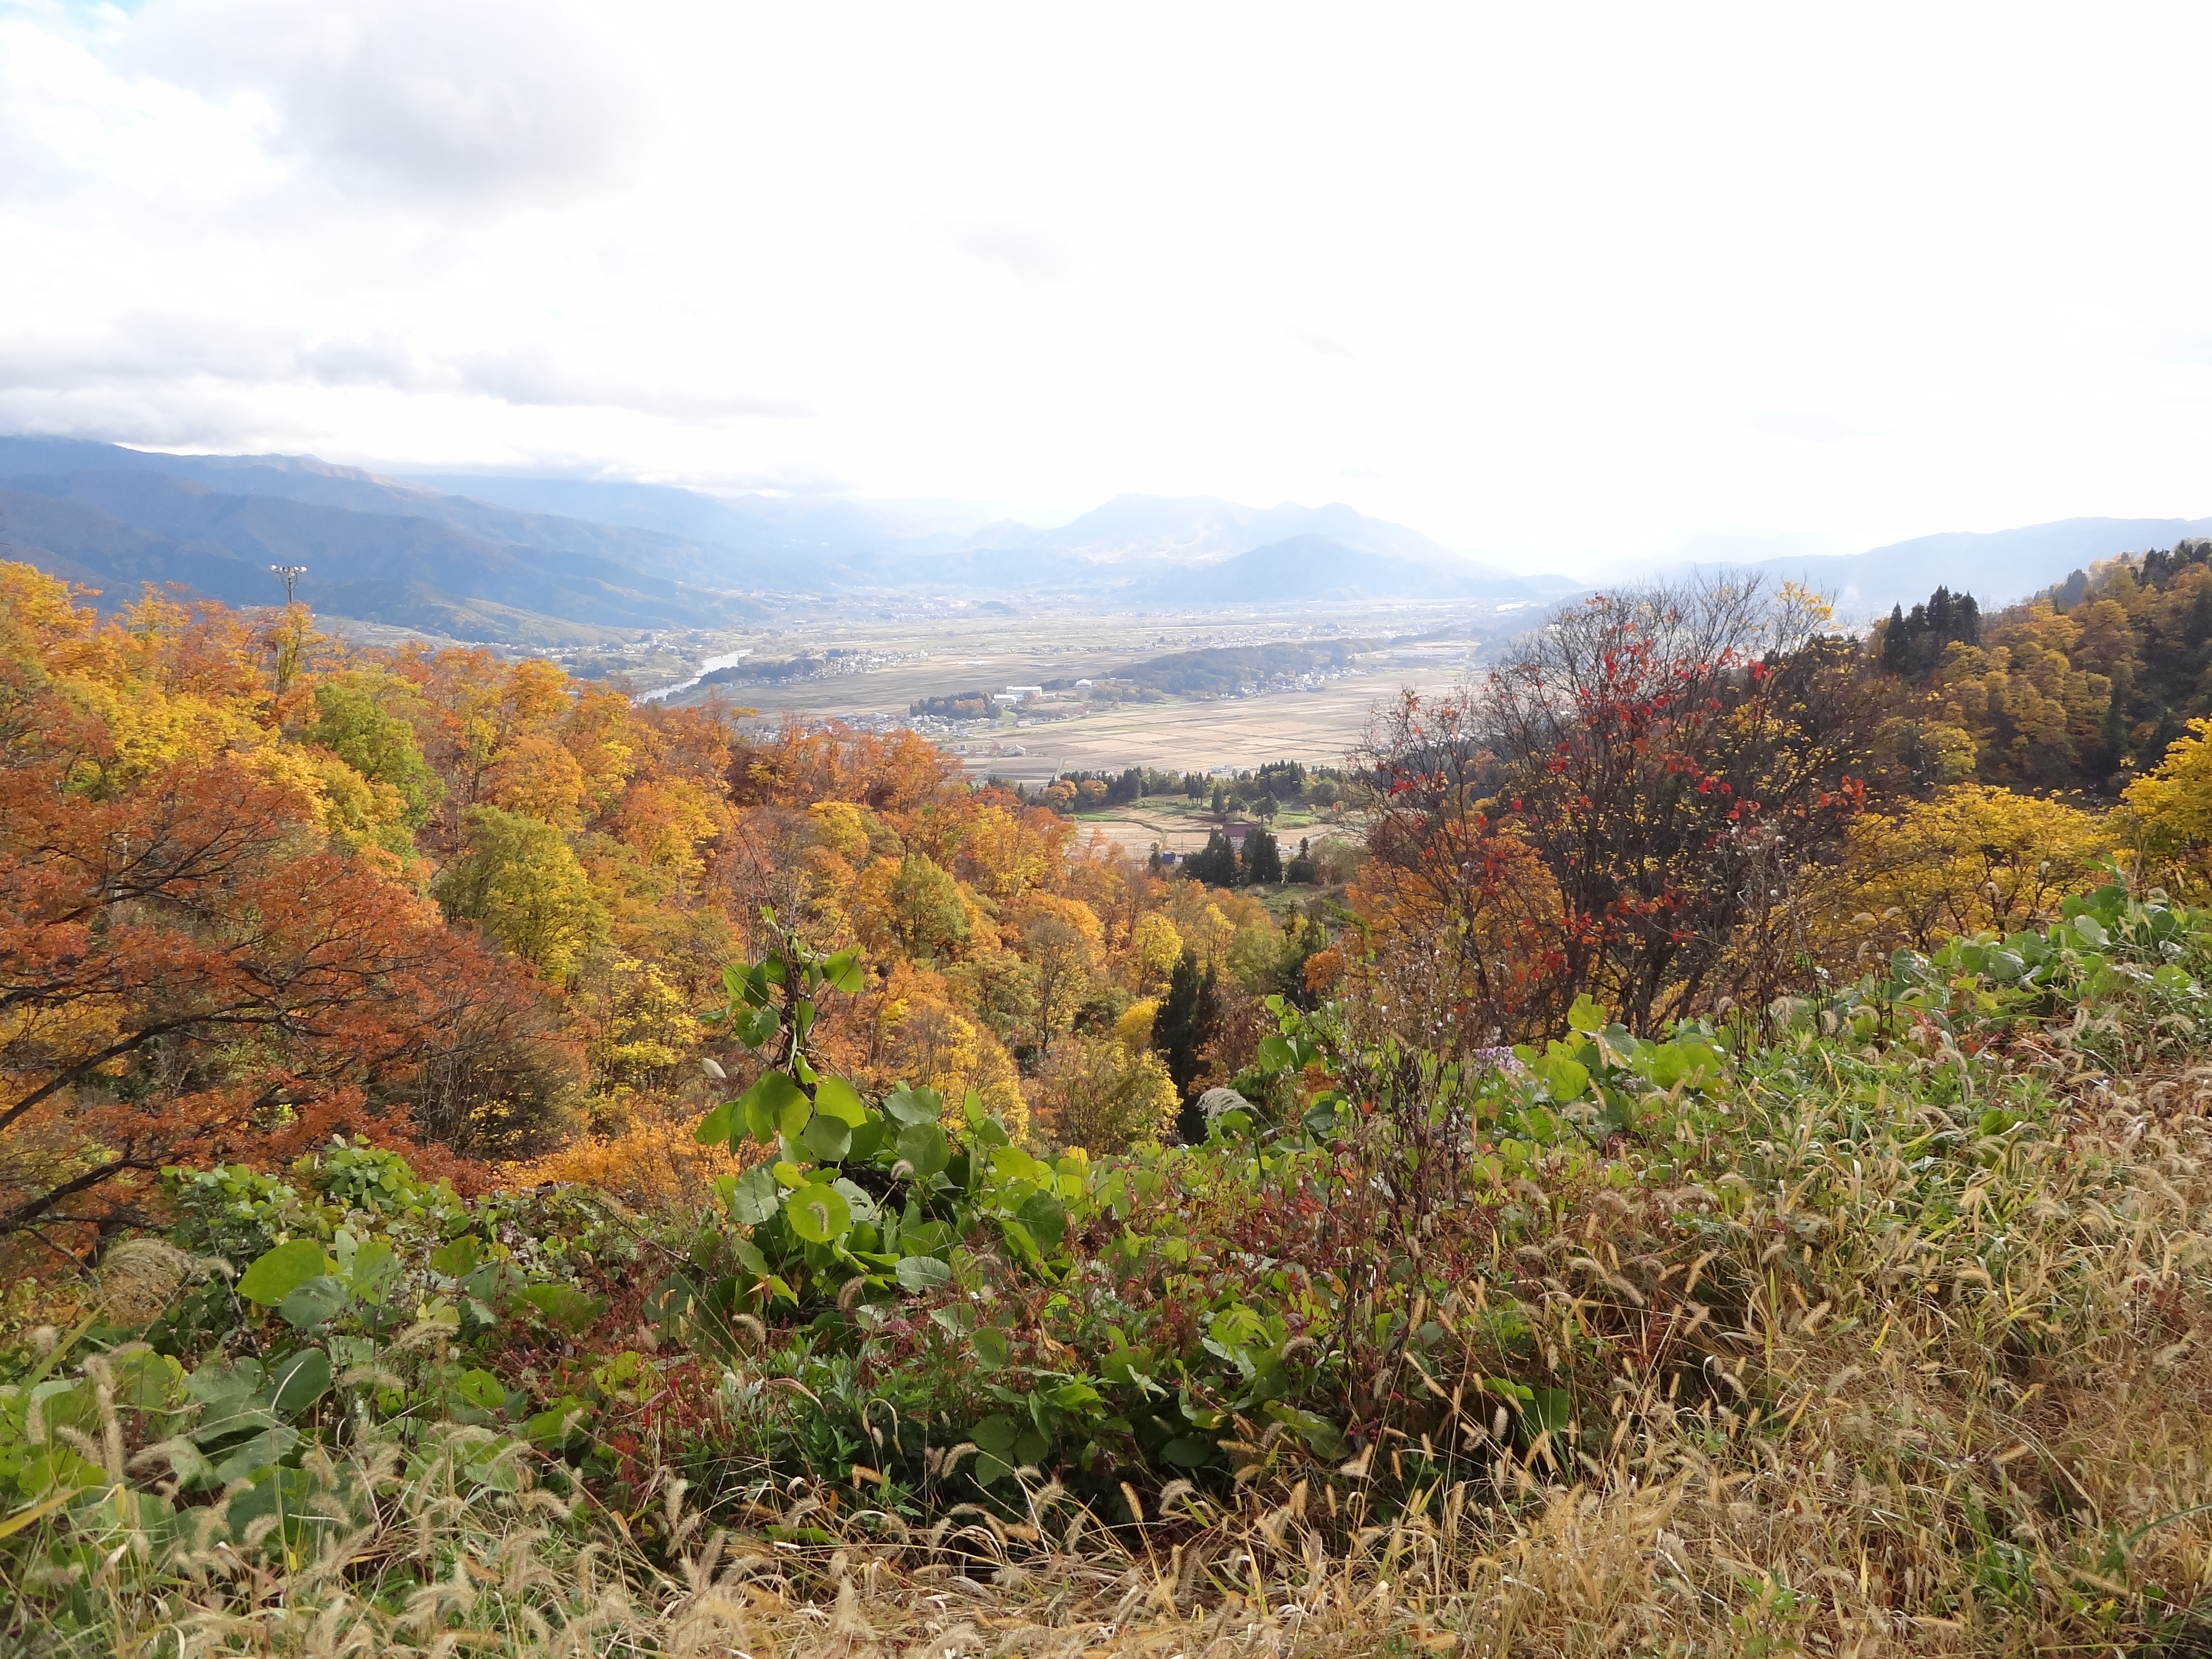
x: 954, y: 706
x: 766, y: 671
x: 1262, y: 863
x: 2085, y: 686
x: 1262, y: 791
x: 1222, y: 671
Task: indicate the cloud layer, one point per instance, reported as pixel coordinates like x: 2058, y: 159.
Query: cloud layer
x: 486, y: 102
x: 1525, y: 279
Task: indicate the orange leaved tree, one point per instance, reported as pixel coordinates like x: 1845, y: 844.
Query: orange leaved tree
x: 188, y: 972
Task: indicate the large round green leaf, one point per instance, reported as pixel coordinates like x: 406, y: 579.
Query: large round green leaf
x: 751, y: 1198
x: 458, y: 1258
x: 565, y: 1306
x: 926, y: 1237
x: 919, y: 1273
x: 276, y: 1273
x: 835, y: 1097
x: 1189, y: 1451
x: 1040, y: 1212
x: 757, y: 1025
x: 924, y: 1146
x: 857, y: 1200
x: 828, y: 1138
x: 818, y: 1212
x: 716, y: 1127
x: 324, y: 1297
x: 908, y: 1105
x: 775, y: 1105
x: 297, y: 1380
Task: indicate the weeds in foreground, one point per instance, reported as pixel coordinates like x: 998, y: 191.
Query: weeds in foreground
x: 1886, y: 1337
x: 1980, y: 1431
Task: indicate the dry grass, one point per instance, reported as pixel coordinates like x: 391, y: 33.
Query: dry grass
x: 1929, y: 1457
x: 1879, y: 1376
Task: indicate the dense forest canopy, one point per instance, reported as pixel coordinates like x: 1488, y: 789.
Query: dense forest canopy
x: 506, y: 894
x: 2083, y: 687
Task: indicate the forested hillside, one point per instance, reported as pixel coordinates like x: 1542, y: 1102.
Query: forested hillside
x: 489, y: 1164
x: 2083, y: 687
x: 512, y: 893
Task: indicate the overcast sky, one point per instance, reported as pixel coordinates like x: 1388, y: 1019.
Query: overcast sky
x: 1561, y: 281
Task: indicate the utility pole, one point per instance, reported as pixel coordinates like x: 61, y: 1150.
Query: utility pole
x: 289, y: 642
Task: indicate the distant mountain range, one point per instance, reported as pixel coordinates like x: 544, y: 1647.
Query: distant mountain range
x: 1315, y: 567
x: 1996, y: 566
x: 535, y: 561
x: 553, y: 561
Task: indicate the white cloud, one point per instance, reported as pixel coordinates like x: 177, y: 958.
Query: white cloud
x: 1812, y: 426
x: 1032, y: 255
x: 2163, y: 345
x: 497, y: 100
x: 1540, y: 266
x: 1326, y: 345
x: 536, y: 375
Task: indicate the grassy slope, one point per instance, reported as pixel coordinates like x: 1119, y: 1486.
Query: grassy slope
x: 1869, y: 1348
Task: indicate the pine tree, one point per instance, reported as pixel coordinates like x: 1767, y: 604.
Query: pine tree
x: 1894, y: 640
x: 2198, y: 628
x: 1188, y: 1018
x: 1214, y: 863
x: 2112, y: 744
x: 1263, y: 859
x: 1939, y: 615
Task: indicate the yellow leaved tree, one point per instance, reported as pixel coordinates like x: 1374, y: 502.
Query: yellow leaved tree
x: 2169, y: 811
x: 1974, y: 857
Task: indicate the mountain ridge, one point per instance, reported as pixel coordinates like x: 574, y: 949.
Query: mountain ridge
x: 1313, y: 566
x: 152, y: 527
x: 604, y: 553
x: 1998, y: 567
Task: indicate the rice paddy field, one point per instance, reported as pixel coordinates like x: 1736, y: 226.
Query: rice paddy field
x: 893, y: 662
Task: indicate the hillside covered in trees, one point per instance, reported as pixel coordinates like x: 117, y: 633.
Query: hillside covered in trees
x: 2082, y: 688
x: 1225, y: 671
x: 487, y: 1162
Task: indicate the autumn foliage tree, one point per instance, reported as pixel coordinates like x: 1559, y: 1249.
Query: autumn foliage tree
x: 1975, y: 857
x: 186, y: 968
x: 1671, y: 762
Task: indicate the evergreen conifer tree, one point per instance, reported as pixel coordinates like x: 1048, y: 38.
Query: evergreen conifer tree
x: 1214, y: 863
x: 1188, y: 1018
x: 2112, y: 744
x: 1263, y: 859
x: 1894, y: 640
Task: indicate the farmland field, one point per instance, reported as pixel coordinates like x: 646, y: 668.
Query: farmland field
x: 888, y: 663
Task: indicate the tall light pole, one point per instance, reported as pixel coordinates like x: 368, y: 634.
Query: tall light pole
x: 289, y: 642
